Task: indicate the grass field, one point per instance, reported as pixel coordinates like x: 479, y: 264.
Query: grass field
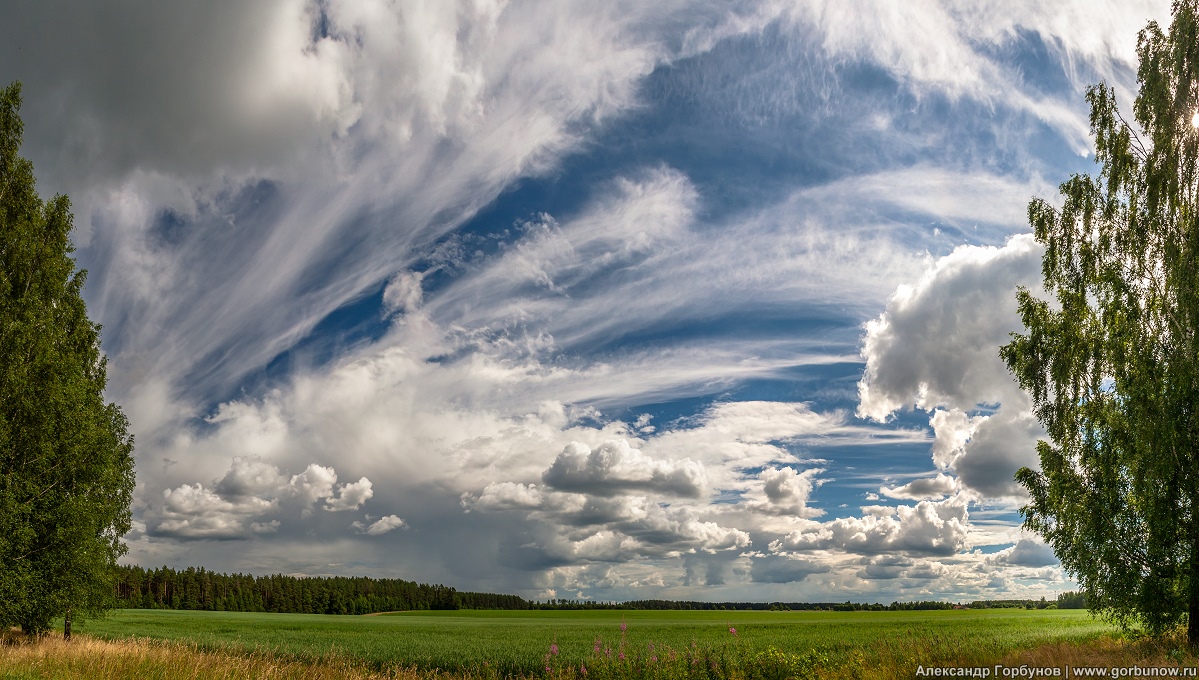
x: 501, y: 643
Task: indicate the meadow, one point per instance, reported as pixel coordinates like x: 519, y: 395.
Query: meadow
x: 652, y: 643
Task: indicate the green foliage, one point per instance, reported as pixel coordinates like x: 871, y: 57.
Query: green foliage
x: 200, y: 589
x: 66, y: 469
x: 1111, y: 359
x: 1071, y: 600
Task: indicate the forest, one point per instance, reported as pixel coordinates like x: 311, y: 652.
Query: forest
x: 200, y: 589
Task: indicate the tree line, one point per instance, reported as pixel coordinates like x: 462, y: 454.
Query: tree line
x: 197, y: 588
x: 200, y: 589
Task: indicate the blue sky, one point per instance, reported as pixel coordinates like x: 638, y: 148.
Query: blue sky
x: 699, y: 300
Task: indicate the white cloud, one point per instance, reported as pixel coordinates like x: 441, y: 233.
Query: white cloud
x: 350, y: 496
x: 937, y: 347
x: 251, y: 489
x: 403, y: 293
x: 380, y: 526
x: 503, y: 496
x: 191, y: 511
x: 927, y: 528
x: 949, y: 47
x: 787, y: 492
x: 314, y: 483
x: 932, y: 346
x: 250, y: 477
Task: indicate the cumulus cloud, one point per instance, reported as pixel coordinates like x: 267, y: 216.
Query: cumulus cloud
x: 250, y: 477
x: 193, y: 512
x: 350, y: 496
x: 380, y: 526
x: 314, y: 483
x: 1027, y: 552
x: 927, y: 528
x: 503, y: 496
x: 250, y: 489
x: 888, y: 567
x: 933, y: 348
x: 614, y: 467
x: 787, y: 491
x: 923, y: 489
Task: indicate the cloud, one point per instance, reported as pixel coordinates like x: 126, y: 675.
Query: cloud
x: 314, y: 483
x: 249, y: 490
x: 380, y: 526
x: 952, y: 49
x: 350, y: 496
x: 784, y: 569
x: 924, y: 489
x: 932, y: 348
x: 928, y: 528
x: 787, y: 491
x: 1027, y: 552
x: 403, y: 293
x: 250, y: 477
x: 615, y: 467
x: 498, y: 496
x: 193, y: 512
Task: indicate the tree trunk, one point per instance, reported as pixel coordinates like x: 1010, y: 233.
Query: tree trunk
x: 66, y: 626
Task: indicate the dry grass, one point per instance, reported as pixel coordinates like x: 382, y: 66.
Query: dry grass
x: 1168, y: 652
x: 87, y: 657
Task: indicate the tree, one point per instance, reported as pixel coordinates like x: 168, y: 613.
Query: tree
x: 1112, y: 362
x: 66, y: 467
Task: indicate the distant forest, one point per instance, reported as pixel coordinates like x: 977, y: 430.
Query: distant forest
x: 193, y: 588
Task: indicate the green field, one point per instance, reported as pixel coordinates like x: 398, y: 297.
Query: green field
x: 518, y: 641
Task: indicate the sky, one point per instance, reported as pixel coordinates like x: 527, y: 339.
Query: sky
x: 692, y: 299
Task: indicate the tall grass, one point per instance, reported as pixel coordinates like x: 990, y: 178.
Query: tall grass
x: 87, y: 657
x: 617, y: 659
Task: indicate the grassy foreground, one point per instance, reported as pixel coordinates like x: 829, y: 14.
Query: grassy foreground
x: 517, y: 642
x: 502, y: 644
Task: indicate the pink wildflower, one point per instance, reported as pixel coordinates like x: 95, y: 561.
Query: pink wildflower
x: 622, y: 656
x: 583, y: 668
x: 596, y: 648
x: 623, y: 625
x: 654, y: 658
x: 554, y: 649
x: 733, y: 631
